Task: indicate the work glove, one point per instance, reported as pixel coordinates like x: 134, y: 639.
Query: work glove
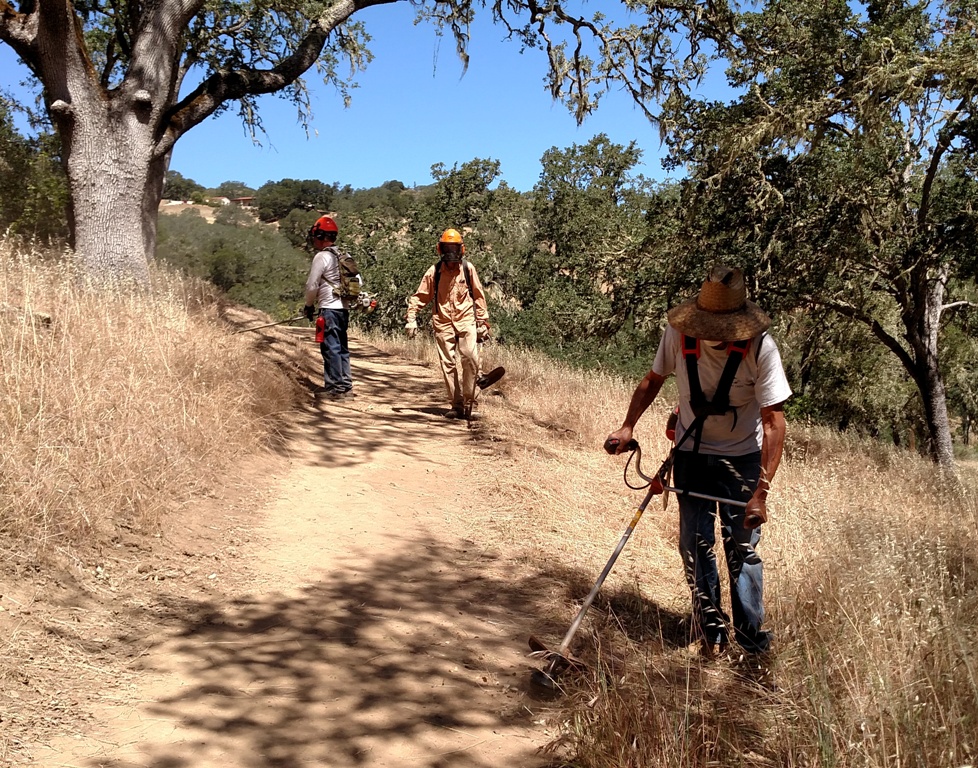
x: 482, y: 333
x: 310, y: 312
x: 411, y: 328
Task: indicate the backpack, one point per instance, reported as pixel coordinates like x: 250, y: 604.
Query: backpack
x: 350, y: 280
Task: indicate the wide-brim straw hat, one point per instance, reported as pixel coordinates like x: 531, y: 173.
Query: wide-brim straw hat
x: 720, y: 311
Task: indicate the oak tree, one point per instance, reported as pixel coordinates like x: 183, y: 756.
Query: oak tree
x: 846, y: 172
x: 116, y: 78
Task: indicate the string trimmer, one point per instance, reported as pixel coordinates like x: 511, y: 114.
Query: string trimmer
x: 560, y: 660
x: 269, y: 325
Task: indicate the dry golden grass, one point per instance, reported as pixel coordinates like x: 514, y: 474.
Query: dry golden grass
x: 872, y: 590
x: 114, y: 406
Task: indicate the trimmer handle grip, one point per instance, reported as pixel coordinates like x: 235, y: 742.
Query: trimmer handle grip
x: 612, y: 443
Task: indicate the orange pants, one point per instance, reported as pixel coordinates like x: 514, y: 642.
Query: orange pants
x: 458, y: 354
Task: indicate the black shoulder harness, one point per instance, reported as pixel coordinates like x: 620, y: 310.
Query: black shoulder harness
x: 720, y: 404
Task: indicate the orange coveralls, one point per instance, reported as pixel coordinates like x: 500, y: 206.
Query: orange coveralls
x: 455, y: 318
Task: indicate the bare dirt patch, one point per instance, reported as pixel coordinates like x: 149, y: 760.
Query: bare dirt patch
x: 330, y: 606
x: 172, y: 208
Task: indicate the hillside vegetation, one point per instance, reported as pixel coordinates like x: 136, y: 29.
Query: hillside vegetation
x: 118, y: 408
x: 874, y: 304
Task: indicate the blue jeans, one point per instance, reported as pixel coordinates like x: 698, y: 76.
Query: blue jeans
x: 335, y: 349
x: 730, y: 477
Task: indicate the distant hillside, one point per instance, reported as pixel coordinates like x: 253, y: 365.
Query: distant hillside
x: 173, y: 207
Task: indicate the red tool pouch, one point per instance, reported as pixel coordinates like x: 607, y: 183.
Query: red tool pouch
x: 320, y: 329
x: 671, y: 423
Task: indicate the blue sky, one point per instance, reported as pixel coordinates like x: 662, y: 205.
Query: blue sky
x: 414, y: 108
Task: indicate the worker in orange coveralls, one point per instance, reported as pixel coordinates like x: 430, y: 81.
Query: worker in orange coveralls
x: 460, y: 320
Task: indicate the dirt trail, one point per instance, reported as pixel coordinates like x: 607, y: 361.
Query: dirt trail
x: 354, y: 626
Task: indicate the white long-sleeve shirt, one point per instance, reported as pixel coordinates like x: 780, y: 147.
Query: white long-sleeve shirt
x: 323, y: 275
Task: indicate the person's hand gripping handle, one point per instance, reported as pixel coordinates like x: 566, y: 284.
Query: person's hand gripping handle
x: 614, y: 445
x: 755, y: 513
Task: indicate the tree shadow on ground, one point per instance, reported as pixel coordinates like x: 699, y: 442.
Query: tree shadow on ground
x: 423, y: 649
x: 395, y: 399
x: 622, y: 609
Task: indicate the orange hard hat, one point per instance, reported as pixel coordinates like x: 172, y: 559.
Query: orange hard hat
x: 450, y: 244
x: 450, y: 236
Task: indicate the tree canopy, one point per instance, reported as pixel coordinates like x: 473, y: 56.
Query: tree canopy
x: 845, y: 173
x: 841, y: 174
x: 123, y: 81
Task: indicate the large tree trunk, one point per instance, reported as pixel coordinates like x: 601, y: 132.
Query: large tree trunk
x: 108, y: 169
x: 940, y: 446
x: 108, y: 143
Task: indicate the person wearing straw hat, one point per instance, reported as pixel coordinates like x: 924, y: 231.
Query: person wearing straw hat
x: 730, y: 437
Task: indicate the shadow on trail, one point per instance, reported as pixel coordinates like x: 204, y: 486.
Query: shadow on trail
x: 396, y: 400
x: 399, y: 653
x: 398, y: 407
x: 617, y: 609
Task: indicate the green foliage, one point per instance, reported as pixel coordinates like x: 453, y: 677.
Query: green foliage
x: 397, y: 249
x: 296, y: 225
x: 179, y: 188
x: 254, y: 264
x: 585, y: 281
x: 233, y: 190
x: 842, y: 378
x: 838, y: 180
x: 233, y: 216
x: 275, y: 199
x: 33, y: 190
x: 391, y: 198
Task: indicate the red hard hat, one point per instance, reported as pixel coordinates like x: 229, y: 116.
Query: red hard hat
x: 324, y: 229
x: 326, y: 224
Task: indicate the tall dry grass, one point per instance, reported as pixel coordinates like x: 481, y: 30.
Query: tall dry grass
x: 871, y: 588
x: 115, y: 406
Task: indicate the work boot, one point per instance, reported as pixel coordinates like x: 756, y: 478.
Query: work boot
x: 455, y: 412
x: 713, y: 650
x: 486, y: 380
x: 321, y: 393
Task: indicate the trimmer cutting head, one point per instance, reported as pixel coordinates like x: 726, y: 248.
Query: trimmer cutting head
x: 541, y: 678
x: 557, y: 664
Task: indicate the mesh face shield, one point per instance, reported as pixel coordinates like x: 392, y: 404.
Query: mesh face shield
x: 450, y: 251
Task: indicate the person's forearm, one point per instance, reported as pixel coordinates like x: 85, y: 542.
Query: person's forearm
x: 479, y: 298
x: 643, y: 396
x: 415, y: 304
x: 772, y: 445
